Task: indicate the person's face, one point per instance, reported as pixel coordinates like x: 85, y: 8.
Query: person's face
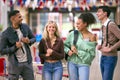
x: 81, y: 25
x: 51, y: 29
x: 101, y: 14
x: 17, y: 19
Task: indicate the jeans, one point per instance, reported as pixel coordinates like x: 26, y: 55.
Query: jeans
x: 107, y: 65
x: 52, y: 71
x: 78, y: 72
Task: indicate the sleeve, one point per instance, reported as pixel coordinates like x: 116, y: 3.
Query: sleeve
x: 68, y: 42
x: 88, y: 53
x: 4, y: 46
x: 41, y: 48
x: 116, y: 31
x: 31, y: 36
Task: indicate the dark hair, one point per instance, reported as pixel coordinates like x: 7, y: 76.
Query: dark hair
x: 105, y: 9
x: 87, y: 18
x: 12, y: 13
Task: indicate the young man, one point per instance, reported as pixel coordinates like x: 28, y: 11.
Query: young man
x: 15, y: 42
x: 110, y: 43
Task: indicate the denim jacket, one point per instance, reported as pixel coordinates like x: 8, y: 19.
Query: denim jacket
x: 8, y: 45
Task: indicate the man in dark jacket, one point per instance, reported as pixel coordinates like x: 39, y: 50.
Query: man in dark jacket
x: 15, y: 42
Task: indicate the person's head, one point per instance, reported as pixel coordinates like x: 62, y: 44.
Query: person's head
x: 15, y: 17
x: 84, y: 20
x: 103, y: 12
x: 51, y: 28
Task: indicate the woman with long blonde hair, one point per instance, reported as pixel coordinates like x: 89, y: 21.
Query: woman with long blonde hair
x: 51, y: 51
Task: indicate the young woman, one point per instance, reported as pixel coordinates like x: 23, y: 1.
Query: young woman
x: 51, y: 50
x: 82, y: 54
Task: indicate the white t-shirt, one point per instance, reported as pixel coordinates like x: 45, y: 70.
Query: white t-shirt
x: 21, y: 52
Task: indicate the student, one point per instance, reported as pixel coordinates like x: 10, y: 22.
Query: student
x: 15, y: 42
x: 82, y: 54
x: 51, y: 50
x: 109, y: 44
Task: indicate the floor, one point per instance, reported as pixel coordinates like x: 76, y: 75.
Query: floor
x: 94, y: 70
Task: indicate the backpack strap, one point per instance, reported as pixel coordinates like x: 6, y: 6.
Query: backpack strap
x: 75, y: 37
x: 107, y: 32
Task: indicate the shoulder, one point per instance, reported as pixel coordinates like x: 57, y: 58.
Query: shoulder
x: 112, y: 24
x: 73, y: 32
x: 23, y: 25
x: 42, y: 40
x: 59, y: 39
x: 6, y: 31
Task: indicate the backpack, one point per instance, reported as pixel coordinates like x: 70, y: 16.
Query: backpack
x: 107, y: 34
x: 74, y: 41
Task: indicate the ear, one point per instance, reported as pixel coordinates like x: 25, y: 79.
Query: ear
x: 105, y: 13
x: 85, y: 23
x: 12, y: 18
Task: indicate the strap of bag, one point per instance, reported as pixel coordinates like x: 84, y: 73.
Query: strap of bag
x: 107, y: 32
x: 75, y: 37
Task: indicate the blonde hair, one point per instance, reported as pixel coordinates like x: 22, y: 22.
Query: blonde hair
x: 45, y: 32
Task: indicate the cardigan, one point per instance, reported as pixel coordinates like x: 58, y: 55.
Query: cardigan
x: 58, y: 49
x: 113, y: 38
x: 86, y: 50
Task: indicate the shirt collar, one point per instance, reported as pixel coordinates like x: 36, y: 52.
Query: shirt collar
x: 106, y: 22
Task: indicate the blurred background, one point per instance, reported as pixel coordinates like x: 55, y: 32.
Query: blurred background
x: 36, y: 13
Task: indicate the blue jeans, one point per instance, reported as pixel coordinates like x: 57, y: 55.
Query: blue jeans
x: 52, y: 71
x: 107, y: 65
x: 78, y: 72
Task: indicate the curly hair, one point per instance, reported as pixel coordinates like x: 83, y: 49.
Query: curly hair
x: 87, y: 18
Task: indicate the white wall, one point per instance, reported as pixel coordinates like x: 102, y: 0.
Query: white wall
x: 3, y: 14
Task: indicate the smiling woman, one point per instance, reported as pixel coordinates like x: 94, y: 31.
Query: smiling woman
x: 81, y: 55
x: 51, y: 50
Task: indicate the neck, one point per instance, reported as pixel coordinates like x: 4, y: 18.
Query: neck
x: 15, y: 26
x: 84, y: 31
x: 103, y: 21
x: 51, y: 36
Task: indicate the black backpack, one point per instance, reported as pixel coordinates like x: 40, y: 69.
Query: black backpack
x: 74, y: 41
x: 107, y: 35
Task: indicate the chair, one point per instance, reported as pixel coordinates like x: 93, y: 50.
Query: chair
x: 3, y: 69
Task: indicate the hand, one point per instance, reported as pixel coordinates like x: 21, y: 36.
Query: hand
x: 74, y: 50
x: 98, y: 47
x: 18, y: 44
x: 25, y: 40
x: 49, y: 52
x: 70, y: 53
x: 106, y: 49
